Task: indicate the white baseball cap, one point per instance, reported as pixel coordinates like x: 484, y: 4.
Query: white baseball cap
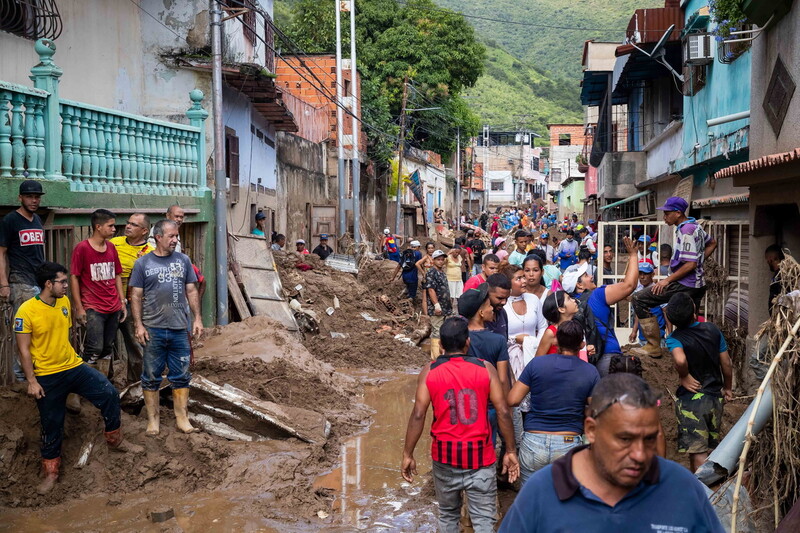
x: 300, y: 241
x: 386, y: 231
x: 414, y: 244
x: 437, y: 253
x: 571, y: 277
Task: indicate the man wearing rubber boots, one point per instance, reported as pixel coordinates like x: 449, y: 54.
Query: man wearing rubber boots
x: 692, y: 247
x: 53, y: 370
x: 161, y: 283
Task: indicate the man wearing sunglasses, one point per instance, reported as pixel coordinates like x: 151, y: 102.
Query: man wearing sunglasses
x: 130, y: 247
x: 616, y: 482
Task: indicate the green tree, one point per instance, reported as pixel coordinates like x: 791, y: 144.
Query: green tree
x: 438, y: 50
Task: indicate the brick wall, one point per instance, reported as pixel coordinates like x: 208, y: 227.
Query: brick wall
x: 305, y: 77
x: 575, y: 131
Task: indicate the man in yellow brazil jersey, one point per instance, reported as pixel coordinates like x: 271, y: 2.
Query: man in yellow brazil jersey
x: 53, y: 370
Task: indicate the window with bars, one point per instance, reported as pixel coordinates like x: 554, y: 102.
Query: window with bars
x: 31, y: 19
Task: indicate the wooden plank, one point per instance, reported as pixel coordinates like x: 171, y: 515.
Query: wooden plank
x: 237, y: 296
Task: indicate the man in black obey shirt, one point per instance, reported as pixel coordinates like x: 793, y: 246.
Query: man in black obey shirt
x: 21, y: 252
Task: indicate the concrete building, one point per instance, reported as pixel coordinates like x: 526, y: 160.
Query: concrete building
x: 773, y: 168
x: 567, y: 143
x: 425, y: 190
x: 511, y: 166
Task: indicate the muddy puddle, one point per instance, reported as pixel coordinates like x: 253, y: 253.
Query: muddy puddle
x: 369, y: 492
x: 367, y: 489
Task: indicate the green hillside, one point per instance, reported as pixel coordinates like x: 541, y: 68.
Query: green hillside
x: 512, y: 94
x: 552, y: 48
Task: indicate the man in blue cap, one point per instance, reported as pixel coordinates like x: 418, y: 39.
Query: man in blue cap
x: 544, y: 245
x: 692, y: 247
x: 322, y: 249
x: 646, y: 272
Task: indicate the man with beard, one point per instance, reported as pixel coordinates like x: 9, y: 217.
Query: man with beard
x: 616, y: 482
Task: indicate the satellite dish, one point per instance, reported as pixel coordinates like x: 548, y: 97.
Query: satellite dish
x: 658, y: 53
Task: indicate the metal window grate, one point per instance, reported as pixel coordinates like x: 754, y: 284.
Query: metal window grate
x: 32, y: 19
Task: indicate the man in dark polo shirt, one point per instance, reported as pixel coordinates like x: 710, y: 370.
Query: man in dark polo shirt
x: 616, y: 483
x: 499, y: 291
x: 458, y: 387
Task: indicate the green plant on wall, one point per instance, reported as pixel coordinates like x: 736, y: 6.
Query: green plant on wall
x: 728, y: 15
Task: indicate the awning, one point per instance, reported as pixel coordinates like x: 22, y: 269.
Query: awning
x: 626, y: 200
x: 257, y: 86
x: 722, y: 201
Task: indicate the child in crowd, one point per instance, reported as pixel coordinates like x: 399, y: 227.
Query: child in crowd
x: 646, y: 272
x: 704, y: 367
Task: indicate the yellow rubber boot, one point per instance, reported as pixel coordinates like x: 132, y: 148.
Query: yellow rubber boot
x: 436, y: 349
x: 151, y: 405
x: 653, y: 335
x: 180, y: 400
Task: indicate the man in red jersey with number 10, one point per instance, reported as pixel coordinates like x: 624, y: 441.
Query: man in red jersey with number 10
x: 459, y: 388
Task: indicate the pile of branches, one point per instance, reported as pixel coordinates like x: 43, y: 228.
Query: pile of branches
x: 775, y: 455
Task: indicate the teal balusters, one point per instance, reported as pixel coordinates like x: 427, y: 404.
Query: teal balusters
x: 161, y: 162
x: 147, y: 157
x: 45, y: 76
x: 169, y: 161
x: 156, y: 175
x: 17, y: 135
x: 116, y: 158
x: 94, y: 159
x: 192, y: 160
x: 38, y: 137
x: 80, y: 140
x: 197, y: 116
x: 66, y: 142
x: 125, y: 140
x: 86, y: 150
x: 102, y: 161
x: 5, y: 135
x: 183, y: 163
x: 138, y: 157
x: 31, y: 149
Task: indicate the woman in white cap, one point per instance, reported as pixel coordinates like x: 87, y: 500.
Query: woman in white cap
x: 300, y: 246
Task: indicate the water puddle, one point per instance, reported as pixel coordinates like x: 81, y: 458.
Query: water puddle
x: 369, y: 491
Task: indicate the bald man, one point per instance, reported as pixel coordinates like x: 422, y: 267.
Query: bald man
x: 176, y: 214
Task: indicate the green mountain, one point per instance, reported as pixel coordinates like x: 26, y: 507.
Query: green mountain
x: 512, y: 94
x: 533, y: 71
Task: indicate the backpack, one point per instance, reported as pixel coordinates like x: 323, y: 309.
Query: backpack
x: 588, y: 320
x: 407, y: 261
x: 391, y: 245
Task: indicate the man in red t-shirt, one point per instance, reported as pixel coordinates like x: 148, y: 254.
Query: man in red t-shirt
x: 459, y: 388
x: 96, y: 286
x: 491, y: 263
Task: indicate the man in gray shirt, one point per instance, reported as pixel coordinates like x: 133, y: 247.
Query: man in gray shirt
x: 161, y: 283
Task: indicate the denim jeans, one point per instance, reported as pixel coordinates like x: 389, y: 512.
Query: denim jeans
x: 643, y: 301
x: 101, y: 331
x: 411, y: 289
x: 20, y: 293
x: 480, y: 486
x: 538, y: 450
x: 166, y: 348
x: 133, y: 350
x: 84, y: 381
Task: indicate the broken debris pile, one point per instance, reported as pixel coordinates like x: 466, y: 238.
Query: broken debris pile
x: 361, y: 321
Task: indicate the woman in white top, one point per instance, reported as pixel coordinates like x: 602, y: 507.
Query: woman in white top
x: 533, y: 267
x: 526, y: 324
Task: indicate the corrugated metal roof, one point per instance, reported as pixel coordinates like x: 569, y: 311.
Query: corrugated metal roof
x: 721, y: 201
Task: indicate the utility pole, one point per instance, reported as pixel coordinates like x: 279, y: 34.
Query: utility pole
x: 356, y: 129
x: 486, y: 167
x: 340, y: 123
x: 220, y: 199
x: 401, y: 145
x: 459, y: 201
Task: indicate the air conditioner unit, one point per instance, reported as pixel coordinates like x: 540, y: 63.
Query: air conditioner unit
x: 698, y: 50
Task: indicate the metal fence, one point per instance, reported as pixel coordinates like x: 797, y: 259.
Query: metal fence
x: 727, y: 298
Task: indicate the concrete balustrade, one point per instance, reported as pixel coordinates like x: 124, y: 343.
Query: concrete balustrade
x: 94, y: 148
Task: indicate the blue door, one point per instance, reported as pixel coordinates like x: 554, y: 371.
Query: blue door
x: 429, y: 201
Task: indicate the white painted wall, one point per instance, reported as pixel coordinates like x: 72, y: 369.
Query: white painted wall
x: 663, y: 150
x: 504, y: 197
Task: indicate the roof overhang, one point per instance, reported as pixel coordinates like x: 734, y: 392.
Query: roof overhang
x: 259, y: 87
x: 634, y: 68
x: 775, y: 167
x: 594, y: 87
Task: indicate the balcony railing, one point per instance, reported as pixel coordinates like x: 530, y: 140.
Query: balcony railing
x: 97, y: 149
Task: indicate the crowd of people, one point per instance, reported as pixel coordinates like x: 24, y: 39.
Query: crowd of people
x: 526, y: 366
x: 139, y: 284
